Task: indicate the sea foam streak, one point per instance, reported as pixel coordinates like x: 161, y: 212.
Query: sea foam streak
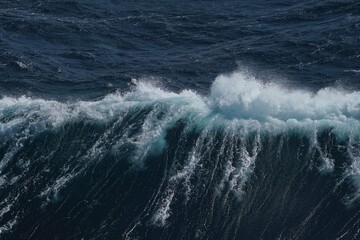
x: 227, y: 127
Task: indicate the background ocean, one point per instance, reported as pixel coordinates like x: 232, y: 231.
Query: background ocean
x: 179, y: 120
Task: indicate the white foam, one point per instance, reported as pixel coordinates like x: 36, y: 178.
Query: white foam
x: 234, y: 96
x: 239, y: 95
x: 163, y: 213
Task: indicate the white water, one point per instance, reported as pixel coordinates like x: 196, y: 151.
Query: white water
x: 241, y: 96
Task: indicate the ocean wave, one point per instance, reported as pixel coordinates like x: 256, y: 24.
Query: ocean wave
x: 224, y: 137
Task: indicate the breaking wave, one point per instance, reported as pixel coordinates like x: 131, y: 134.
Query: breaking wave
x: 257, y: 150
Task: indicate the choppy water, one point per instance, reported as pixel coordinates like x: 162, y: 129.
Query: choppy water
x: 192, y: 120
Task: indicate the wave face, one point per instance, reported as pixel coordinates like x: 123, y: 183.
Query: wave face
x: 251, y: 160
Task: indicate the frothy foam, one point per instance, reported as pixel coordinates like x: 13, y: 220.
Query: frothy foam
x: 234, y: 96
x: 239, y: 95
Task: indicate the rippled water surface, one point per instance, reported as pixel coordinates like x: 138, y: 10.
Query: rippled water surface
x: 179, y: 120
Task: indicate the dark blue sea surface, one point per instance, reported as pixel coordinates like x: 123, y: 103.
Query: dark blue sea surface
x: 179, y: 120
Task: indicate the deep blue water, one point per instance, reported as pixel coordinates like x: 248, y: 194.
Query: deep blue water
x: 179, y: 120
